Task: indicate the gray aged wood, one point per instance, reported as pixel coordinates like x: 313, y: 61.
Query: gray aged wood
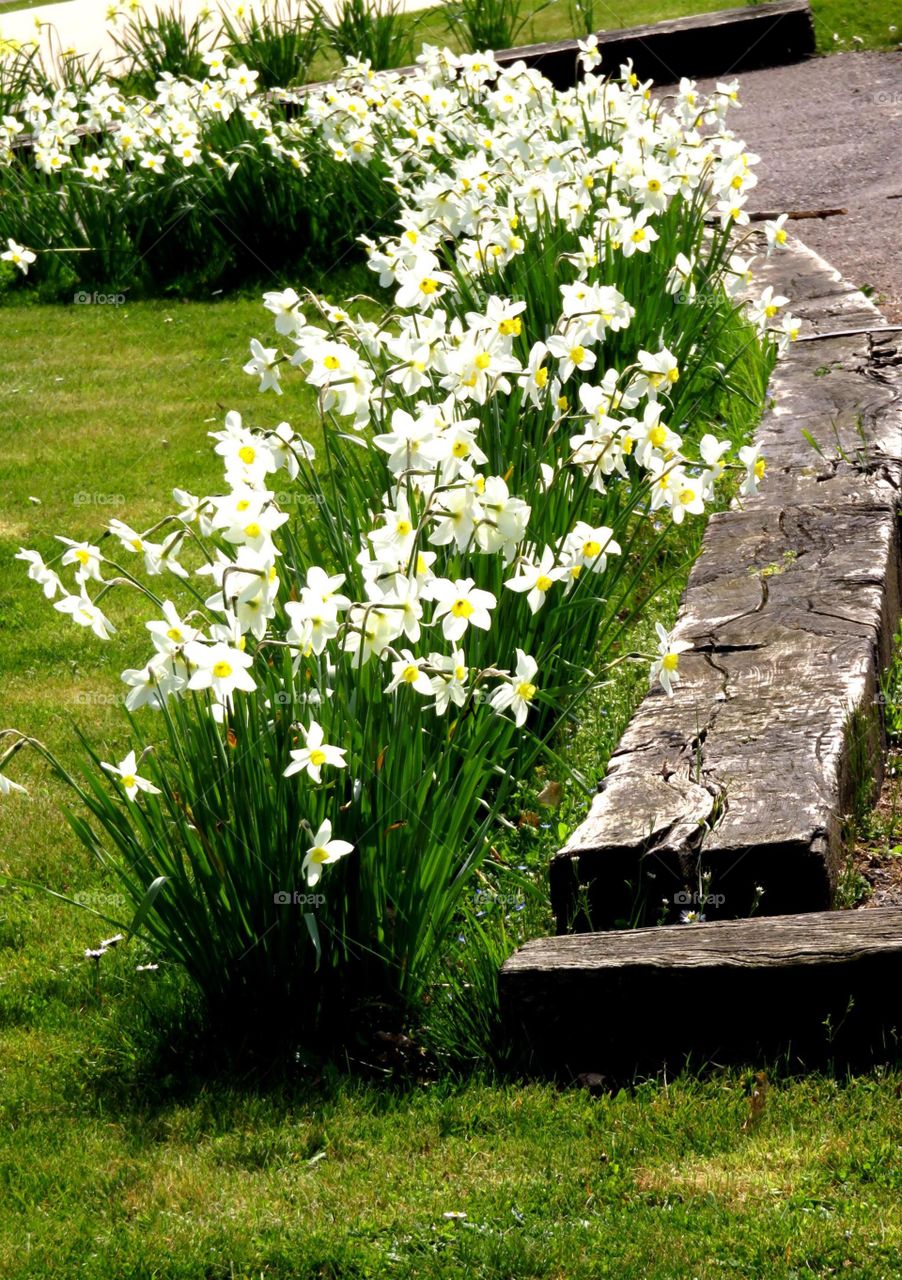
x: 812, y: 987
x: 745, y: 774
x: 716, y: 44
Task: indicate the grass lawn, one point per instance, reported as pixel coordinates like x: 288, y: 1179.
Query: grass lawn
x: 116, y: 1160
x: 11, y: 6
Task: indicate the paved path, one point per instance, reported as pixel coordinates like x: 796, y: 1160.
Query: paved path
x: 829, y: 134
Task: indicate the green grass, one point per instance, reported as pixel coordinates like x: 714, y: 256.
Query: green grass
x: 334, y: 1180
x: 12, y: 6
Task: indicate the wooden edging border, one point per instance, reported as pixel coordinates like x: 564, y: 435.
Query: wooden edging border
x: 802, y: 991
x: 720, y: 44
x: 729, y: 797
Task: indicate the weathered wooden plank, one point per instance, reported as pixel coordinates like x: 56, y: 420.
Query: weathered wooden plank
x: 806, y: 988
x: 740, y: 782
x: 722, y: 43
x: 814, y: 937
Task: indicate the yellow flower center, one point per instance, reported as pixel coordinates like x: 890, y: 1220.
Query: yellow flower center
x: 221, y: 670
x: 82, y: 557
x: 128, y: 780
x: 319, y: 855
x: 591, y: 549
x: 252, y: 530
x: 526, y: 691
x: 460, y: 449
x: 247, y: 454
x: 483, y: 360
x: 541, y: 376
x: 511, y: 327
x: 428, y: 286
x: 411, y: 673
x: 332, y: 362
x: 657, y: 436
x: 760, y: 468
x: 461, y: 608
x: 174, y: 634
x: 577, y: 354
x: 543, y: 582
x: 638, y: 235
x: 670, y: 661
x: 317, y: 757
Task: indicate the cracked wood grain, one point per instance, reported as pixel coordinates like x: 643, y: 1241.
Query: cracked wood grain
x: 811, y: 988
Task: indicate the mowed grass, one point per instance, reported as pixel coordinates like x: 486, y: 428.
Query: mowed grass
x: 352, y: 1181
x: 117, y: 1158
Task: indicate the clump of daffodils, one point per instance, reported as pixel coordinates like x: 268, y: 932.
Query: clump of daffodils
x: 407, y: 607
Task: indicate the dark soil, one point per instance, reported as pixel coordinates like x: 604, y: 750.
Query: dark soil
x: 877, y: 850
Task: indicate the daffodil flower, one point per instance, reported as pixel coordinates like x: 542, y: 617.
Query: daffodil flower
x: 314, y: 754
x: 518, y: 691
x: 665, y: 668
x: 323, y: 851
x: 127, y: 773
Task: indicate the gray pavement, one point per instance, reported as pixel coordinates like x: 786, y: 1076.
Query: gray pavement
x: 829, y: 134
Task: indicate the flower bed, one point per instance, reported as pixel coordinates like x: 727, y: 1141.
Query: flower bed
x: 361, y: 649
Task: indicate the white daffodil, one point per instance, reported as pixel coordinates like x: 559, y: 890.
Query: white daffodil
x: 449, y: 683
x: 219, y: 667
x: 461, y: 604
x: 712, y: 452
x: 264, y: 364
x: 170, y: 633
x: 85, y: 556
x: 665, y: 668
x: 151, y: 685
x: 314, y: 754
x: 777, y: 236
x: 324, y: 851
x: 127, y: 773
x: 537, y: 579
x: 571, y: 352
x: 86, y: 614
x: 590, y: 545
x: 284, y: 306
x: 409, y: 670
x: 518, y: 691
x: 755, y: 466
x: 7, y: 786
x: 18, y: 255
x: 40, y: 573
